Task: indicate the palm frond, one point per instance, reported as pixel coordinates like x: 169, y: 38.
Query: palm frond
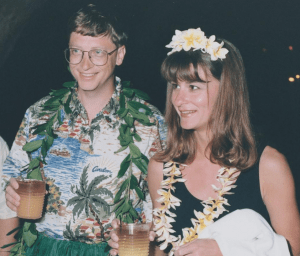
x: 94, y: 183
x: 101, y: 191
x: 99, y: 202
x: 79, y: 207
x: 75, y: 200
x: 84, y: 180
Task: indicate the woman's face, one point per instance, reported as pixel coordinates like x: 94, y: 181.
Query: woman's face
x: 194, y: 101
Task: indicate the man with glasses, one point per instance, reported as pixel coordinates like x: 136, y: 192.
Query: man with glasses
x: 87, y: 154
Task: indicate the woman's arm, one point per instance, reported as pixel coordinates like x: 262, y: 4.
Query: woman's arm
x: 154, y: 178
x: 278, y: 193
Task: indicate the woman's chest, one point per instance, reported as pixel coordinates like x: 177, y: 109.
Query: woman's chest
x: 200, y: 182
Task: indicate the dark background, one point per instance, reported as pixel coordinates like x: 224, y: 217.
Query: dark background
x: 32, y: 40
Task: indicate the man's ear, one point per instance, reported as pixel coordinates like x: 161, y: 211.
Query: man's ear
x: 120, y: 55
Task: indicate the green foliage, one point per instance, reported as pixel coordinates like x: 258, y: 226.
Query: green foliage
x: 130, y: 111
x: 32, y: 146
x: 29, y: 233
x: 124, y: 166
x: 26, y: 236
x: 35, y: 174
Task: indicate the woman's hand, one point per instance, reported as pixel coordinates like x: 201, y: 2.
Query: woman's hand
x: 113, y: 241
x: 12, y: 198
x: 199, y: 247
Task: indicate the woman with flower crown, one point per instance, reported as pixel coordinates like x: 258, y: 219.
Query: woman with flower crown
x: 213, y: 166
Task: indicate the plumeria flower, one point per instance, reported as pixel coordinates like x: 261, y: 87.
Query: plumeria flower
x: 226, y: 181
x: 194, y: 38
x: 168, y: 240
x: 176, y: 43
x: 206, y: 218
x: 172, y: 170
x: 168, y: 164
x: 163, y: 221
x: 171, y: 214
x: 210, y: 43
x: 171, y: 180
x: 216, y: 188
x: 201, y: 226
x: 229, y: 174
x: 217, y: 52
x: 168, y: 199
x: 189, y: 234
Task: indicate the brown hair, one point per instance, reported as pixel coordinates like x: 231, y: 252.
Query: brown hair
x: 89, y: 21
x: 232, y: 143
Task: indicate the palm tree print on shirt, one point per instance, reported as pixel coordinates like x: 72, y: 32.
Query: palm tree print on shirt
x: 88, y: 198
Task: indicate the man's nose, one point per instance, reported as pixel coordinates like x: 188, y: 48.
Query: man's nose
x: 86, y: 62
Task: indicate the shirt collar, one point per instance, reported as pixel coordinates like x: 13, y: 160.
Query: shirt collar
x: 108, y: 112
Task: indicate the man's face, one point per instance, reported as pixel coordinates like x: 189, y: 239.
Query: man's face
x: 89, y: 76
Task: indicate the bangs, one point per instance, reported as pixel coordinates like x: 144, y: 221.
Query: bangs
x: 91, y: 28
x: 182, y: 66
x: 93, y: 24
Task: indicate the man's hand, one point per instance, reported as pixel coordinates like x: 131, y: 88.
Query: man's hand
x: 12, y: 198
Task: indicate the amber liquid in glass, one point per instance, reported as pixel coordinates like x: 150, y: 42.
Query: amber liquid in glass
x: 32, y: 193
x: 133, y: 239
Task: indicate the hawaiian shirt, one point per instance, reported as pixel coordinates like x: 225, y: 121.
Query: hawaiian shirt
x: 81, y: 159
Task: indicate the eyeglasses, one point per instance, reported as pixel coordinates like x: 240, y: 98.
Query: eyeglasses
x: 97, y: 56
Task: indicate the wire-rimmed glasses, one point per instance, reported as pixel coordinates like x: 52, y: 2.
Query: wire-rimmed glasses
x: 97, y: 56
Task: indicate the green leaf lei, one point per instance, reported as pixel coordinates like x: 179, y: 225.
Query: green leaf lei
x: 130, y: 111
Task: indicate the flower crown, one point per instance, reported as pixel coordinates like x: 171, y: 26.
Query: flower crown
x: 195, y: 38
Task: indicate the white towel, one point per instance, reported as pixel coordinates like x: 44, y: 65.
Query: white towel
x: 246, y: 233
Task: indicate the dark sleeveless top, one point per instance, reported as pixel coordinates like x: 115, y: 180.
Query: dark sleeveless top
x: 247, y: 194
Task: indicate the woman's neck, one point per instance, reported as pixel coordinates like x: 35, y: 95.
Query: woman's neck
x: 203, y: 139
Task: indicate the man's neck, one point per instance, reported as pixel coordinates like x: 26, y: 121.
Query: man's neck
x: 95, y: 101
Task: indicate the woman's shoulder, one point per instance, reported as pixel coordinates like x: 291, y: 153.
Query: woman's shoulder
x: 155, y: 165
x: 273, y: 161
x: 274, y: 171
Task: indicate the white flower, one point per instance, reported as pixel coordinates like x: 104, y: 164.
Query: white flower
x: 216, y: 51
x: 211, y: 44
x: 194, y: 38
x: 176, y: 43
x: 172, y: 170
x: 168, y: 199
x: 171, y: 213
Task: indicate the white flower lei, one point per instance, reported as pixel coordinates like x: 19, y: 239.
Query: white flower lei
x: 212, y: 207
x: 195, y: 38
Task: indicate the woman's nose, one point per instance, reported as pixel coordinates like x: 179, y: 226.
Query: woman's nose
x: 179, y: 97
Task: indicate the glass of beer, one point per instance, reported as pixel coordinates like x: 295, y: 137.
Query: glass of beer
x: 32, y: 193
x: 133, y: 239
